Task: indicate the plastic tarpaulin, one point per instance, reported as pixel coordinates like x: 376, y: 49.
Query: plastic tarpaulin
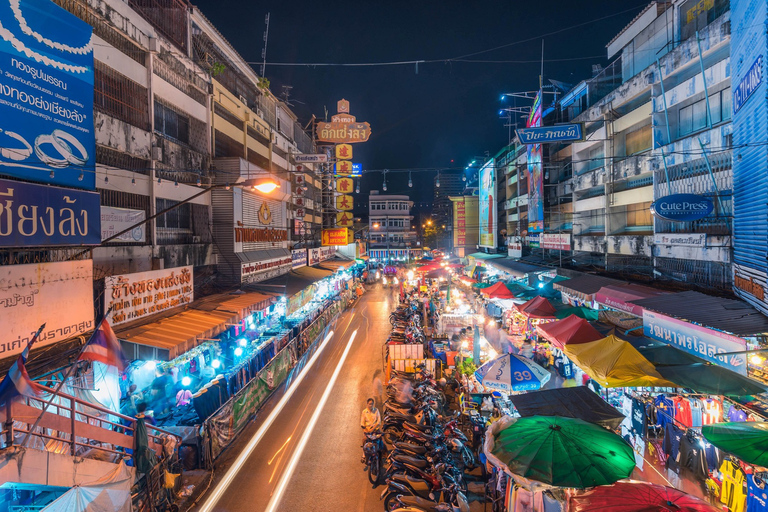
x: 711, y: 379
x: 586, y: 313
x: 111, y: 493
x: 571, y: 330
x: 614, y: 363
x: 537, y: 307
x: 497, y: 291
x: 578, y: 402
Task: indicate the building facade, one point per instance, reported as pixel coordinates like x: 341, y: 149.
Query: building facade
x: 392, y: 237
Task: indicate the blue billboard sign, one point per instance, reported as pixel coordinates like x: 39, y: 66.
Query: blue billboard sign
x: 682, y: 207
x: 46, y: 95
x: 545, y: 134
x: 357, y: 168
x: 748, y: 84
x: 43, y: 216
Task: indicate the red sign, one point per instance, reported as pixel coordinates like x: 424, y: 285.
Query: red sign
x: 337, y: 236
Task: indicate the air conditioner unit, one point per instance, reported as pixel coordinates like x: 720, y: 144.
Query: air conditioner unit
x: 243, y: 100
x: 154, y: 45
x: 260, y: 113
x: 157, y: 153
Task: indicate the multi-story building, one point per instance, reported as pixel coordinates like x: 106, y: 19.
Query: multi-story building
x: 391, y: 233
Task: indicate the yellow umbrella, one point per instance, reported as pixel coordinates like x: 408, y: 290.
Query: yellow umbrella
x: 615, y: 363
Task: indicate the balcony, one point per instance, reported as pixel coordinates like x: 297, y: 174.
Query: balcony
x: 589, y: 179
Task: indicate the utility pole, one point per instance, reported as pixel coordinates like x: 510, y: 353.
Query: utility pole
x: 264, y: 50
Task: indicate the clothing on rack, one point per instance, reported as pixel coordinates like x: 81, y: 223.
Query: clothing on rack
x: 672, y: 437
x: 736, y: 413
x: 665, y: 410
x: 639, y: 420
x: 713, y: 411
x: 757, y: 494
x: 696, y: 412
x: 682, y: 411
x: 692, y: 459
x: 733, y: 493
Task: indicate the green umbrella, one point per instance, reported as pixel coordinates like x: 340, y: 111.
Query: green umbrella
x: 747, y: 441
x: 564, y: 452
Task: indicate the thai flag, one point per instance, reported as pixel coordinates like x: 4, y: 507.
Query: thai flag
x: 104, y: 347
x: 16, y: 382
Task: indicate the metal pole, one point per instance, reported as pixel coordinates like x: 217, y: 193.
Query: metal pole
x: 704, y: 79
x: 664, y: 97
x: 714, y: 183
x: 666, y: 172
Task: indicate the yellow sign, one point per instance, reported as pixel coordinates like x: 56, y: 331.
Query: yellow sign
x: 343, y: 118
x: 342, y: 106
x: 345, y: 202
x: 344, y: 219
x: 345, y: 185
x: 350, y: 236
x: 265, y: 216
x: 343, y: 166
x: 337, y: 236
x: 343, y: 133
x: 344, y: 152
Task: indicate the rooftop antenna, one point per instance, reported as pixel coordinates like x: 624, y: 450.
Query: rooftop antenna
x: 264, y: 50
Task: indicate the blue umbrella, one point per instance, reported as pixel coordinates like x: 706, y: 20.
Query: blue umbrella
x: 512, y: 373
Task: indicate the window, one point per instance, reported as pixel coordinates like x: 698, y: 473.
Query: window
x: 174, y: 227
x: 171, y: 123
x: 638, y: 140
x: 639, y: 215
x: 596, y: 158
x: 118, y: 96
x: 694, y: 117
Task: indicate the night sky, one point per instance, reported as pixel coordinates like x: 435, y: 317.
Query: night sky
x: 450, y: 109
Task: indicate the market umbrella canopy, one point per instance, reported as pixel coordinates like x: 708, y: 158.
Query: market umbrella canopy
x: 711, y: 379
x: 569, y: 330
x: 564, y: 452
x: 586, y: 313
x: 579, y: 402
x: 438, y: 272
x: 746, y: 440
x: 512, y: 373
x: 614, y: 363
x: 637, y: 497
x: 537, y: 307
x: 481, y: 285
x: 497, y: 291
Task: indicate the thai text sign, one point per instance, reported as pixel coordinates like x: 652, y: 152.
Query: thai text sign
x: 319, y: 254
x: 461, y: 223
x: 134, y: 296
x: 535, y: 173
x: 59, y: 295
x: 697, y: 340
x: 749, y: 84
x: 561, y: 241
x: 46, y: 95
x: 682, y: 207
x: 343, y: 133
x: 38, y: 216
x: 334, y: 237
x: 299, y: 257
x: 545, y: 134
x: 310, y: 159
x: 683, y: 239
x: 257, y: 271
x: 115, y: 220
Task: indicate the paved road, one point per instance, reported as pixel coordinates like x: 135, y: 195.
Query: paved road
x: 327, y: 475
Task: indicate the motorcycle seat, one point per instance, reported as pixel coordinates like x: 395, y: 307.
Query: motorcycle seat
x: 413, y: 461
x: 426, y: 429
x: 415, y: 448
x: 418, y: 502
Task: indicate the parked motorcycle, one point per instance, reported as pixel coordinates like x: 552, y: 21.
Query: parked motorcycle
x: 372, y: 450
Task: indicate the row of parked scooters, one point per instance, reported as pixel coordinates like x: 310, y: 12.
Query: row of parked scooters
x: 424, y: 469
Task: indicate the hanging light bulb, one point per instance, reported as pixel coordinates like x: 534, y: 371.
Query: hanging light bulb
x: 384, y: 185
x: 106, y: 179
x: 410, y: 181
x: 199, y: 182
x: 133, y: 181
x: 463, y: 177
x: 176, y: 183
x: 357, y: 188
x: 437, y: 181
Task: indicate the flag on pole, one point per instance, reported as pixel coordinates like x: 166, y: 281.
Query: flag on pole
x: 16, y: 382
x: 104, y: 347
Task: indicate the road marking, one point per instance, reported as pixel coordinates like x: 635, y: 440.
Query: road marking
x: 229, y: 476
x: 278, y: 494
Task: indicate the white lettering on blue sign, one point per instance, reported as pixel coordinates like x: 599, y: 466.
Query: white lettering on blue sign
x: 748, y: 85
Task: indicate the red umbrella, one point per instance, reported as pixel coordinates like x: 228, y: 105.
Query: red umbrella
x: 637, y: 497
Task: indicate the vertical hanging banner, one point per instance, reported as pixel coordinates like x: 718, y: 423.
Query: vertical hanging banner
x: 535, y: 174
x: 344, y: 185
x: 46, y: 95
x: 344, y: 152
x: 488, y: 206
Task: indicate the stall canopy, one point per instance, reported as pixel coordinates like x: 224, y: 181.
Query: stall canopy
x: 586, y: 313
x: 660, y: 353
x: 614, y: 363
x: 485, y: 256
x: 585, y: 287
x: 335, y: 264
x: 579, y: 402
x: 728, y: 315
x: 518, y: 288
x: 293, y: 282
x: 497, y: 291
x: 537, y: 307
x: 710, y: 379
x: 571, y: 330
x: 622, y: 297
x: 517, y: 268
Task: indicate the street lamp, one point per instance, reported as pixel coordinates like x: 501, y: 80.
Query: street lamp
x: 264, y: 185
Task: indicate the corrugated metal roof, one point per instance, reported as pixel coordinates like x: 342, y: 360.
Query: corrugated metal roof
x: 728, y: 315
x: 517, y: 268
x: 587, y: 284
x: 293, y: 282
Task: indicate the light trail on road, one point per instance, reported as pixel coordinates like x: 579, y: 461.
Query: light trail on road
x: 219, y: 490
x: 283, y: 484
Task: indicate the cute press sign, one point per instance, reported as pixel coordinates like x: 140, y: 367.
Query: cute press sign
x: 682, y: 207
x: 134, y: 296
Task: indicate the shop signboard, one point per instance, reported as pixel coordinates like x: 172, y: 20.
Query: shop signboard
x: 544, y: 134
x: 682, y: 207
x: 559, y: 241
x: 334, y: 237
x: 344, y: 219
x: 310, y: 159
x: 129, y: 297
x: 345, y: 185
x: 700, y: 341
x: 515, y: 248
x: 343, y: 133
x: 345, y: 203
x: 488, y: 205
x: 357, y: 169
x: 535, y: 174
x: 318, y: 254
x: 46, y: 95
x: 344, y: 151
x: 681, y: 239
x: 59, y: 295
x: 115, y: 220
x: 461, y: 223
x: 299, y: 257
x: 299, y: 300
x: 258, y: 271
x: 748, y: 84
x: 41, y: 216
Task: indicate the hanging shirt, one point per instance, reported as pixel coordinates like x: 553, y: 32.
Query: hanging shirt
x: 735, y: 414
x: 638, y: 417
x: 672, y: 437
x: 696, y: 412
x: 664, y: 410
x: 692, y: 459
x: 757, y: 495
x: 713, y: 411
x: 714, y: 456
x: 682, y: 410
x: 733, y: 492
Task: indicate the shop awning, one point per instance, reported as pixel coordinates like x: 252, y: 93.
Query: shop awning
x: 586, y: 313
x: 571, y: 330
x: 335, y: 264
x: 711, y: 379
x: 517, y: 268
x: 497, y: 291
x: 578, y: 402
x: 615, y: 363
x: 585, y: 287
x: 485, y: 256
x: 537, y: 307
x: 246, y: 303
x: 267, y: 254
x: 622, y: 297
x: 293, y: 282
x: 660, y: 353
x: 727, y: 315
x: 176, y: 334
